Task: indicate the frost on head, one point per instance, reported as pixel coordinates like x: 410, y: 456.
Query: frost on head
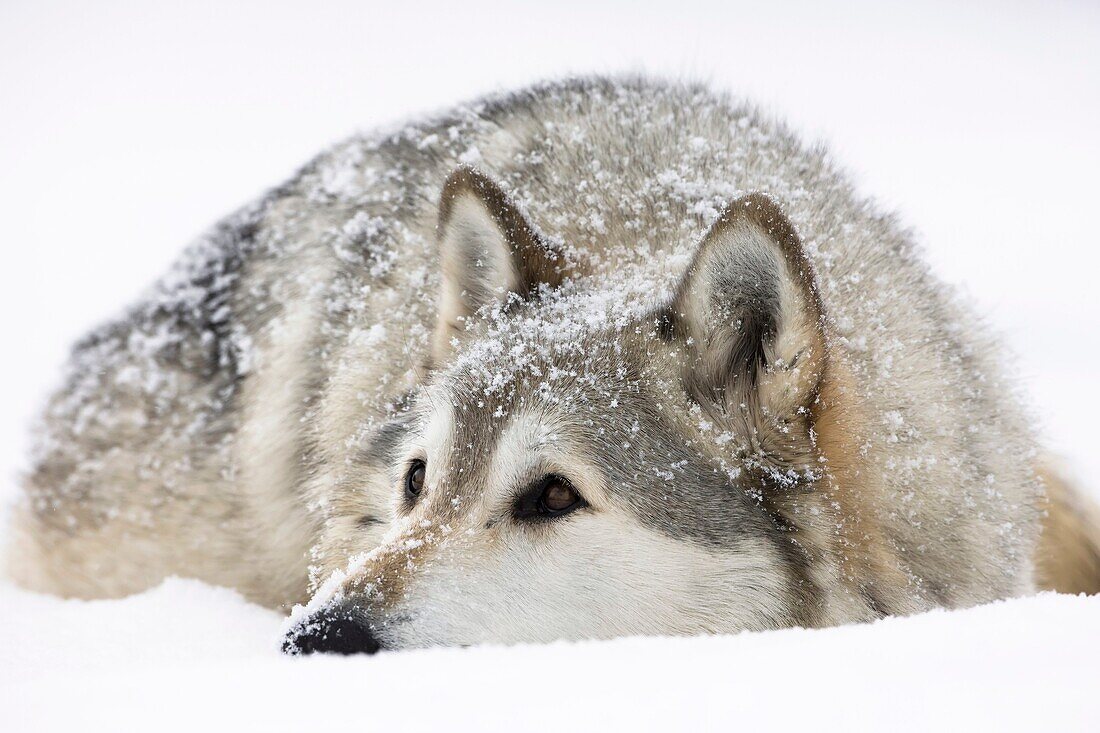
x: 735, y: 345
x: 745, y: 318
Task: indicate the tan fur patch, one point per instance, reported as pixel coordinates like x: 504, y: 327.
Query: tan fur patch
x: 383, y: 578
x: 866, y: 562
x: 1067, y: 559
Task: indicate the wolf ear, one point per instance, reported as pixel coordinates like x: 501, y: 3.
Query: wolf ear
x: 488, y: 252
x: 749, y: 312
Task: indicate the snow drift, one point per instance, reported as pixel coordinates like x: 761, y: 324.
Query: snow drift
x: 186, y: 656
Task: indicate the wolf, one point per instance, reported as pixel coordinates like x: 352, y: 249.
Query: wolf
x: 599, y: 357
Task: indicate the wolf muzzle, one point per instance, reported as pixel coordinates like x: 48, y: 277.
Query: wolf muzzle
x: 332, y: 631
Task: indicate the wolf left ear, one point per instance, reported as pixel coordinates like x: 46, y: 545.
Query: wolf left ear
x: 488, y: 250
x: 749, y: 311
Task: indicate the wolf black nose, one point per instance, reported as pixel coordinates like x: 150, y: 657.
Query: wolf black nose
x: 330, y: 632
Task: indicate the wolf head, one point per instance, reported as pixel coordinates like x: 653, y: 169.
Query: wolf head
x: 590, y: 458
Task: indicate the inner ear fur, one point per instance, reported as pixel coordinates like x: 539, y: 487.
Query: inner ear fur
x: 749, y: 310
x: 489, y: 251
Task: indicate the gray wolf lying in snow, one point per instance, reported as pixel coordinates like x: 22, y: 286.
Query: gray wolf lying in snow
x: 594, y: 358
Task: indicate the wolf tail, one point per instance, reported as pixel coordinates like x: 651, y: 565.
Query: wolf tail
x: 1068, y: 557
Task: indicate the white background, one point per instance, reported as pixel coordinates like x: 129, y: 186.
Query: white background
x: 128, y: 128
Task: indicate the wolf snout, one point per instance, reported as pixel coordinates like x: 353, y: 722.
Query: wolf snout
x: 337, y: 631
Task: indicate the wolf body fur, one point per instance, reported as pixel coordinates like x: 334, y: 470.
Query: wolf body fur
x: 250, y: 422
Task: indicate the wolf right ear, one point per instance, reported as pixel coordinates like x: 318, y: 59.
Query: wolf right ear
x: 749, y: 312
x: 488, y: 250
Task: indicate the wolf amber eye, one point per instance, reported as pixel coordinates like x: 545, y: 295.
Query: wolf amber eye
x: 550, y: 497
x: 558, y: 496
x: 414, y: 479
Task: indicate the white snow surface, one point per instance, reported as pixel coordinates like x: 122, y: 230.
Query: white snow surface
x: 128, y: 129
x: 186, y: 656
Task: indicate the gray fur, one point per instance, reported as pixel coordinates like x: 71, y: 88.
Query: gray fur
x: 240, y: 423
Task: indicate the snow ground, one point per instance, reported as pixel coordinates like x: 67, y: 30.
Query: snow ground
x: 128, y: 129
x: 189, y: 657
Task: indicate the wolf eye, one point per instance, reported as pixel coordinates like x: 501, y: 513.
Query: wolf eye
x: 552, y: 496
x: 414, y: 479
x: 559, y: 496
